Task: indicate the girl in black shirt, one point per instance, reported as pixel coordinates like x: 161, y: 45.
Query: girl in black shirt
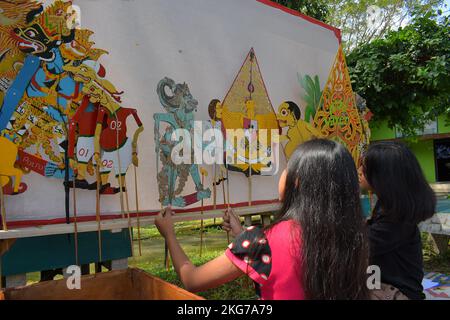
x: 392, y: 172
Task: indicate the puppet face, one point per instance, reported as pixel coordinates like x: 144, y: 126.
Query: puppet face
x: 97, y: 88
x: 219, y: 110
x: 81, y: 73
x: 33, y: 40
x: 285, y: 116
x: 98, y: 95
x: 185, y: 99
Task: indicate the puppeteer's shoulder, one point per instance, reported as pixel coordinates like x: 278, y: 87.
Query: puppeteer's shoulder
x: 282, y: 228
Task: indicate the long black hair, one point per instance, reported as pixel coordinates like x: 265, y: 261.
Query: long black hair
x: 394, y: 175
x: 322, y: 195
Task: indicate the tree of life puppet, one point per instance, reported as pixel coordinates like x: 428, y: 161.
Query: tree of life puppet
x: 180, y: 106
x: 339, y: 118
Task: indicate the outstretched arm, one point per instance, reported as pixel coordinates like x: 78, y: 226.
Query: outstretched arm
x: 98, y: 131
x: 137, y: 133
x: 210, y: 275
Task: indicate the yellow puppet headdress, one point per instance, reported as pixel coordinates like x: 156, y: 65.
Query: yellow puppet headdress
x: 53, y: 20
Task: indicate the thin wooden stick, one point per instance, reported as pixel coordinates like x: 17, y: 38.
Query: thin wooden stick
x: 166, y: 251
x: 122, y: 206
x: 119, y: 169
x: 228, y: 188
x: 137, y: 210
x: 130, y: 231
x: 225, y: 202
x: 250, y: 176
x: 201, y: 223
x: 3, y: 210
x: 97, y: 211
x: 1, y: 273
x: 171, y: 191
x: 250, y: 190
x: 75, y: 222
x: 122, y: 185
x: 215, y: 190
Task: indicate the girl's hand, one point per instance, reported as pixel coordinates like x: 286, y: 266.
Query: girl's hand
x: 164, y: 222
x: 231, y: 223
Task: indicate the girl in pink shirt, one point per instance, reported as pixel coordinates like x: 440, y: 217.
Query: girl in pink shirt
x: 315, y: 249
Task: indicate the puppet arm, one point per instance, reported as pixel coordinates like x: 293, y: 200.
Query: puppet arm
x: 71, y: 146
x: 157, y: 118
x: 136, y: 137
x: 98, y: 132
x: 284, y: 137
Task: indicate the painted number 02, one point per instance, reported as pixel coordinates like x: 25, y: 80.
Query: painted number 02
x: 107, y: 164
x: 116, y: 125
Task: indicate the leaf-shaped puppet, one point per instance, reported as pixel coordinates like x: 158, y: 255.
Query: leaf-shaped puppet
x: 312, y: 96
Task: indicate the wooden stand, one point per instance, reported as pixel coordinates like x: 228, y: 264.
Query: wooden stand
x: 129, y: 284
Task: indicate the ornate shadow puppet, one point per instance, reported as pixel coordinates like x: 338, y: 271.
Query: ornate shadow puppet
x: 102, y: 128
x: 42, y: 97
x: 180, y: 106
x: 339, y: 118
x: 246, y: 118
x: 50, y: 83
x: 247, y: 109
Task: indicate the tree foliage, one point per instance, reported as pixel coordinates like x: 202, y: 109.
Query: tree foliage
x: 405, y: 77
x: 360, y: 24
x: 317, y: 9
x: 352, y: 16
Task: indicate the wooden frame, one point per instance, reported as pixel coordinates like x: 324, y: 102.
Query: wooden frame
x: 118, y: 224
x: 129, y: 284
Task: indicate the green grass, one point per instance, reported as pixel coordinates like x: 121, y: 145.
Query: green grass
x: 188, y: 233
x: 434, y: 262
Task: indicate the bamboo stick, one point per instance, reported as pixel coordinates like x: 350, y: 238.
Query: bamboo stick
x: 127, y: 208
x: 3, y: 210
x: 137, y: 211
x: 75, y: 222
x: 97, y: 211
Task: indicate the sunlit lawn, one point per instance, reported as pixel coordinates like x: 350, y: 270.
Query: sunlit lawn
x: 188, y: 233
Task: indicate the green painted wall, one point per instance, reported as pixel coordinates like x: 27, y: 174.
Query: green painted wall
x: 381, y: 131
x: 424, y: 151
